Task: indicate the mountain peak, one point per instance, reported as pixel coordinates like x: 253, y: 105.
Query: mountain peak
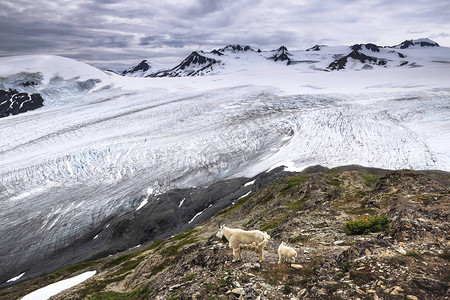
x: 282, y: 55
x: 315, y: 48
x: 369, y: 46
x: 142, y: 67
x: 422, y: 42
x: 236, y: 48
x: 193, y: 65
x: 282, y: 48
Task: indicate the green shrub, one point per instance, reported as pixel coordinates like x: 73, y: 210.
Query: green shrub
x: 365, y: 225
x: 414, y: 254
x: 371, y: 179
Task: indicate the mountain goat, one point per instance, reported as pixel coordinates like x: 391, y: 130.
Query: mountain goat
x: 239, y: 239
x: 286, y: 253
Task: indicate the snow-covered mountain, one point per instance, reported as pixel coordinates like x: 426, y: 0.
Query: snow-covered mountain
x: 417, y: 43
x: 141, y: 70
x: 193, y: 65
x: 102, y: 143
x: 236, y: 57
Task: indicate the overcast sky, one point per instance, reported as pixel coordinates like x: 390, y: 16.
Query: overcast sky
x: 116, y: 34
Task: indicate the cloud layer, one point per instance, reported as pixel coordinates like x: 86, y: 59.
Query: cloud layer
x: 115, y: 34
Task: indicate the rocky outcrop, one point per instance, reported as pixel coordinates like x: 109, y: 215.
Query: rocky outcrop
x: 13, y: 102
x: 315, y: 48
x: 142, y: 67
x: 282, y: 54
x: 341, y: 63
x: 236, y: 48
x: 371, y: 47
x: 308, y: 210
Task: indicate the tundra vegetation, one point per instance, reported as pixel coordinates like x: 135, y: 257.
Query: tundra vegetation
x: 398, y: 248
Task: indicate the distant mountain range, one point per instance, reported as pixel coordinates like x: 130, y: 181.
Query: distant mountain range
x: 319, y: 57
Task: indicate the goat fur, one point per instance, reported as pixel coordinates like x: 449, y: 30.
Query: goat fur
x: 239, y: 239
x: 286, y: 253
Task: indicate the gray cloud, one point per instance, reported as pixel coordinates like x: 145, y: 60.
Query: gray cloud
x: 115, y: 33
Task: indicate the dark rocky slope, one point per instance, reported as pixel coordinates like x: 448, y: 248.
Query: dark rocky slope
x: 13, y: 102
x: 308, y: 210
x: 163, y: 215
x: 142, y: 67
x: 194, y: 65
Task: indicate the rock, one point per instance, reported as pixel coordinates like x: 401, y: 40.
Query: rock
x: 238, y: 291
x: 296, y: 266
x: 174, y: 287
x: 338, y: 242
x: 359, y: 291
x: 367, y: 252
x: 411, y: 297
x: 251, y: 265
x: 401, y: 250
x: 396, y: 291
x: 371, y: 291
x: 301, y: 293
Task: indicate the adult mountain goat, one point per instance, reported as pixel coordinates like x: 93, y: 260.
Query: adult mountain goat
x: 286, y: 253
x: 239, y: 239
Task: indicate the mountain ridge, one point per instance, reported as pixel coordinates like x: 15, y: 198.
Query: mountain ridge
x: 200, y: 63
x: 309, y: 211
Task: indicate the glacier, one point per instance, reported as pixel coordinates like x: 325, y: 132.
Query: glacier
x: 102, y: 143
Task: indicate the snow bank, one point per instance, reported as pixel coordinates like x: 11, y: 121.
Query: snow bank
x: 57, y: 287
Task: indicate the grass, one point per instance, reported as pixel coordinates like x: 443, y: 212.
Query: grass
x: 293, y: 181
x: 333, y: 179
x: 320, y: 225
x: 371, y: 179
x: 237, y: 204
x: 161, y: 267
x: 414, y: 254
x: 184, y: 238
x: 361, y: 277
x: 271, y: 224
x: 139, y: 293
x: 347, y: 266
x: 189, y: 277
x: 360, y: 211
x: 288, y: 287
x: 376, y: 223
x: 122, y: 259
x: 397, y: 261
x: 296, y: 205
x: 299, y: 239
x: 279, y: 273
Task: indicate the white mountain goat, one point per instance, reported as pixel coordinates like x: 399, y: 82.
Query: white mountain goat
x: 286, y: 253
x: 239, y: 239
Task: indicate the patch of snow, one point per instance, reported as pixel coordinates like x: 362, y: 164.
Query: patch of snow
x: 57, y: 287
x: 198, y: 214
x: 243, y: 196
x: 142, y: 204
x: 16, y: 278
x: 181, y: 202
x: 249, y: 183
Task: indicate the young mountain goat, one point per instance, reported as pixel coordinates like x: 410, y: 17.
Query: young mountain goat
x: 286, y: 253
x: 239, y: 239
